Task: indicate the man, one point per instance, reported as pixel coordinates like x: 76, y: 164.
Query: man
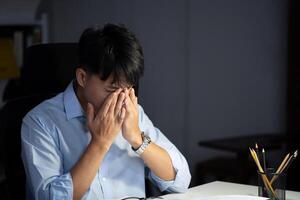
x: 94, y: 141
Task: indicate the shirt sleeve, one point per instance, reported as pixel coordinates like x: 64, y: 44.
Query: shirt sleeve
x: 183, y: 176
x: 43, y: 161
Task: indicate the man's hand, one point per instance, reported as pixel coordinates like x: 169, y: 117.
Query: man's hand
x: 105, y: 125
x: 130, y: 128
x: 154, y: 156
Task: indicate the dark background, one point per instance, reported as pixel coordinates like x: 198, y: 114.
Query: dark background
x: 214, y: 69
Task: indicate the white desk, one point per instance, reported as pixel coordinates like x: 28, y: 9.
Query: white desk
x: 223, y: 188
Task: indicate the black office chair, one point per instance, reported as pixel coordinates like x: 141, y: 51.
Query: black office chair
x: 48, y: 68
x: 11, y: 115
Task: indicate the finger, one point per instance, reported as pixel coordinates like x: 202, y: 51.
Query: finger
x: 113, y: 102
x: 136, y: 101
x: 122, y: 115
x: 119, y: 104
x: 105, y: 106
x: 125, y: 91
x: 127, y: 102
x: 132, y: 95
x: 90, y: 113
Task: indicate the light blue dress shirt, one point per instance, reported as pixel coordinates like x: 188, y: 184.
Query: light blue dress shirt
x: 54, y: 136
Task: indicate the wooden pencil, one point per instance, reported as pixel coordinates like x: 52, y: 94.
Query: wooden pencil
x: 263, y: 175
x: 290, y: 162
x: 280, y: 168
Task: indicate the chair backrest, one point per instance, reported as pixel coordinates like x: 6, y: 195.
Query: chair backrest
x: 11, y: 115
x: 48, y: 68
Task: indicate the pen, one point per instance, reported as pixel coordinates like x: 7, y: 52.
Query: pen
x: 264, y: 159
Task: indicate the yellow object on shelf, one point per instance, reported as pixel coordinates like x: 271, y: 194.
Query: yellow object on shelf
x: 8, y: 64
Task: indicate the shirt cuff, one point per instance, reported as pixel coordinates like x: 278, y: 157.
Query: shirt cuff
x: 182, y: 178
x: 161, y: 184
x: 58, y: 187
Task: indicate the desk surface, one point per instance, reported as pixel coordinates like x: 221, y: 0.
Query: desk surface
x: 223, y: 188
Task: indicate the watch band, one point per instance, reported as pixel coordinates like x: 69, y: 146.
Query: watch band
x: 146, y: 142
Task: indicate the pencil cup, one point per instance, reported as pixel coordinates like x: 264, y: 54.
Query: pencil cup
x: 275, y: 188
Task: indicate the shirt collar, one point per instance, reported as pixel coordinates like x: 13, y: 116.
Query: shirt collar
x: 71, y: 103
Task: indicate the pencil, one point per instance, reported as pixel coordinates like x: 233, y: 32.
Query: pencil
x: 280, y: 167
x: 288, y: 164
x: 257, y: 150
x: 263, y: 175
x: 285, y: 164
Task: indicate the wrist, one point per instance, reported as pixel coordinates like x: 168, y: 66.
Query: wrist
x: 146, y: 141
x: 138, y: 141
x: 99, y: 145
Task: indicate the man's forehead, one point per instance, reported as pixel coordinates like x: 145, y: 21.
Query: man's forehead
x: 116, y: 82
x: 119, y: 85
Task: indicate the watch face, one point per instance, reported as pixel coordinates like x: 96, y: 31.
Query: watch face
x: 146, y: 142
x: 147, y: 138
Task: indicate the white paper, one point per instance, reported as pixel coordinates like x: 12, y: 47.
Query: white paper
x: 233, y: 197
x: 223, y: 197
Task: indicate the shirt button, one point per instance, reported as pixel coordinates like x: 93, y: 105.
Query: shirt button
x: 103, y: 179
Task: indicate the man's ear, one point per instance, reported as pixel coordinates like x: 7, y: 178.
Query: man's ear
x: 81, y: 77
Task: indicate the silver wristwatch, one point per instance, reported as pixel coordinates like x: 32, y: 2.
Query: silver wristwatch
x: 146, y: 142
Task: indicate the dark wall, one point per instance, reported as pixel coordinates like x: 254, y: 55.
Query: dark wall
x: 214, y: 68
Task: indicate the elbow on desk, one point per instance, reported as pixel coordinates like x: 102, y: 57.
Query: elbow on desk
x: 186, y: 184
x: 180, y: 186
x: 177, y: 189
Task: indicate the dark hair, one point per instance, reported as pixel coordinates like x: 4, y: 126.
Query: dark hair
x: 111, y: 50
